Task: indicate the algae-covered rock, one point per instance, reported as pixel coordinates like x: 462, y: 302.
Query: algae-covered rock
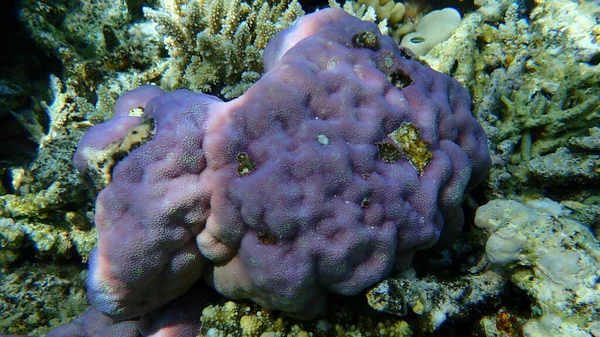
x: 435, y: 300
x: 34, y: 298
x: 533, y: 271
x: 532, y: 70
x: 553, y: 258
x: 233, y: 319
x: 11, y: 241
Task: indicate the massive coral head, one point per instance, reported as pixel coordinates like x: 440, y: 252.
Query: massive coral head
x: 342, y: 161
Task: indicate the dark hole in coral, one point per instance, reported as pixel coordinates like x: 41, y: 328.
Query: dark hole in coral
x: 595, y: 60
x: 406, y: 53
x: 365, y: 203
x: 463, y: 6
x: 388, y: 152
x: 573, y: 98
x: 92, y: 74
x: 111, y: 41
x: 310, y: 6
x: 480, y: 42
x: 526, y: 6
x: 400, y: 79
x: 5, y: 180
x: 546, y: 93
x: 267, y: 238
x: 24, y: 74
x: 365, y: 40
x: 134, y: 7
x: 102, y: 164
x: 489, y: 68
x: 453, y: 68
x: 16, y: 147
x: 246, y: 166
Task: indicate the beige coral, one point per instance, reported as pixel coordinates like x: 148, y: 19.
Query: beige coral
x: 389, y: 10
x: 216, y: 45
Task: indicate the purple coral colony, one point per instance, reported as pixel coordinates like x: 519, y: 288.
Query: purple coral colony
x: 342, y: 161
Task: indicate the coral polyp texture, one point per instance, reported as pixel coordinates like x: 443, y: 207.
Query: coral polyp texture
x: 342, y: 161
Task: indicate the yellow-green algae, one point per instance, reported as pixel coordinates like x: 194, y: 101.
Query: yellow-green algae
x: 366, y: 40
x: 35, y: 298
x: 245, y: 164
x: 407, y: 138
x: 241, y: 319
x: 407, y: 141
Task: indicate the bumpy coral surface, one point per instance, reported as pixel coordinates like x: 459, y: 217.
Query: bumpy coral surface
x: 346, y: 158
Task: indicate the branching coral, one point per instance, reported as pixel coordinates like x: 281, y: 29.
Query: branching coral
x: 216, y: 46
x: 369, y: 11
x: 534, y: 83
x: 387, y: 11
x: 399, y: 19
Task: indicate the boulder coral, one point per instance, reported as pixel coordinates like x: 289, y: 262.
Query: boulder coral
x: 346, y: 158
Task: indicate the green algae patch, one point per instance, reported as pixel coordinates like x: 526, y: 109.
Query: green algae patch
x: 246, y: 165
x: 388, y: 152
x: 365, y: 40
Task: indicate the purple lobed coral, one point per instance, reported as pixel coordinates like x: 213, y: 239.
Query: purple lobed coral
x: 341, y: 162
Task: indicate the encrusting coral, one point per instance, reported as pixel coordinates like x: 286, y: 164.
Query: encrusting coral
x: 551, y: 257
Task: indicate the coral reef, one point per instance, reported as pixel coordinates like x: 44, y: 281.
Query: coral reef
x: 106, y: 47
x: 45, y: 197
x: 400, y: 20
x: 551, y: 257
x: 531, y: 67
x: 386, y: 14
x: 532, y: 72
x: 536, y: 248
x: 435, y: 300
x: 48, y: 199
x: 95, y: 40
x: 266, y: 215
x: 389, y: 10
